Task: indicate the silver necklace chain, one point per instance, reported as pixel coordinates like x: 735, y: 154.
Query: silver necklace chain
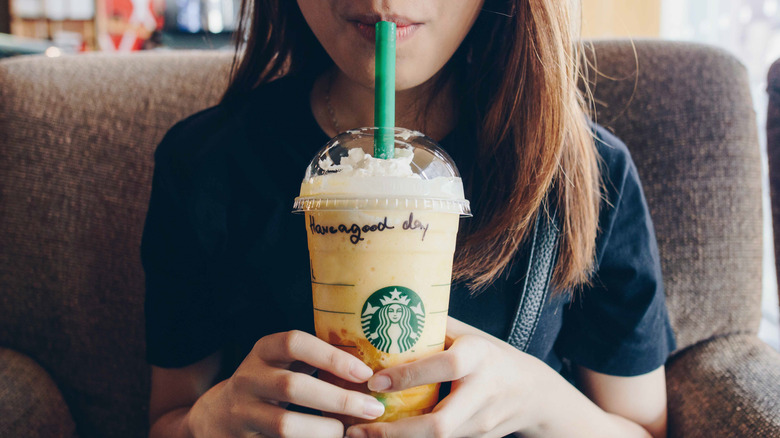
x: 331, y: 111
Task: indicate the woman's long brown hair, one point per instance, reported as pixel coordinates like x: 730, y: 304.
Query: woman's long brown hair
x: 517, y: 74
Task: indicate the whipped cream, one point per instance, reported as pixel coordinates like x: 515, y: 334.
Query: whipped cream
x: 360, y: 164
x: 360, y: 175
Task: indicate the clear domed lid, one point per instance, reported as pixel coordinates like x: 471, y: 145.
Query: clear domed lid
x: 344, y: 175
x: 429, y: 160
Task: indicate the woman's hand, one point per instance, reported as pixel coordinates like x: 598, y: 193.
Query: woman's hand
x: 492, y: 388
x: 497, y: 390
x: 275, y: 373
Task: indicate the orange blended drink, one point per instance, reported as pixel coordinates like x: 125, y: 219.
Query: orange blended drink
x: 381, y: 237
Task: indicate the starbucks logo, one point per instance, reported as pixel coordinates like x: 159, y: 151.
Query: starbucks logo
x: 393, y: 319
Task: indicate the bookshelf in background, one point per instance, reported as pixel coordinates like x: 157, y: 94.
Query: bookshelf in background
x: 70, y: 24
x: 87, y: 25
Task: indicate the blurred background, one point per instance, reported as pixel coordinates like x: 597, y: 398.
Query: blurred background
x: 750, y: 29
x: 71, y: 26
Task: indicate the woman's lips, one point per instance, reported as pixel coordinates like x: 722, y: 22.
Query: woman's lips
x: 402, y: 31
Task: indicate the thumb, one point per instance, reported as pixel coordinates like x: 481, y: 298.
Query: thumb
x: 457, y: 329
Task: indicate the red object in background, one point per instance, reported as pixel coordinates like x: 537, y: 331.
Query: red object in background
x: 129, y: 24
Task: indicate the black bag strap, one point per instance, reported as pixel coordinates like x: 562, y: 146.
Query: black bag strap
x: 541, y: 263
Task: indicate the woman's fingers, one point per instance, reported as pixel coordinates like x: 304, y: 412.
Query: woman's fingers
x: 449, y: 418
x: 288, y: 347
x: 422, y: 426
x: 273, y: 421
x: 460, y: 360
x: 308, y: 391
x: 278, y: 378
x: 425, y: 426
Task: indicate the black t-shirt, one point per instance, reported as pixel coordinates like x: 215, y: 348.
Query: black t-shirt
x: 226, y: 261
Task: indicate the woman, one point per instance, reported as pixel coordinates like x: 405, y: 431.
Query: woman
x: 228, y: 301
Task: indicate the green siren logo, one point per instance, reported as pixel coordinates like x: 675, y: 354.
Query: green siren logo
x: 393, y: 319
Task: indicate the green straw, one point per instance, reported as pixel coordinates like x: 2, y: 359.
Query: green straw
x: 384, y: 88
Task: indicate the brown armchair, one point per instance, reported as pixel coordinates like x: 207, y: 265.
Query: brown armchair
x: 76, y: 142
x: 685, y: 112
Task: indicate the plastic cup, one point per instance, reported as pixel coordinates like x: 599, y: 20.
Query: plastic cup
x: 381, y: 244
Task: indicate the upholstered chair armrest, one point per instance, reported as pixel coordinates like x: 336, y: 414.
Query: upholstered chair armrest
x: 725, y: 387
x: 30, y: 402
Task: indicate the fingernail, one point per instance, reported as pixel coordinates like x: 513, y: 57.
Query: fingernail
x: 354, y: 432
x: 373, y: 408
x: 360, y: 371
x: 379, y: 383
